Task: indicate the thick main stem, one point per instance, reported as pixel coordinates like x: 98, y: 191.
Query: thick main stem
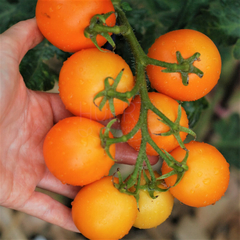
x: 141, y: 62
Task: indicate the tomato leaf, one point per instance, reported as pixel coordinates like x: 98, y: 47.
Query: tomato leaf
x: 126, y: 7
x: 36, y: 68
x: 228, y: 142
x: 11, y: 13
x: 236, y: 50
x: 38, y: 72
x: 194, y: 110
x: 220, y: 21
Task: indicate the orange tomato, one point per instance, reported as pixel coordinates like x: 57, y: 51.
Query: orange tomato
x: 207, y: 178
x: 100, y: 211
x: 167, y: 106
x: 73, y: 153
x: 63, y: 22
x: 82, y: 77
x: 187, y: 42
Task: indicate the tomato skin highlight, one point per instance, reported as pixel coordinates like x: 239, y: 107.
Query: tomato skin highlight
x: 188, y: 42
x: 82, y: 77
x: 100, y: 211
x: 62, y: 22
x: 207, y: 178
x: 169, y: 107
x: 73, y: 153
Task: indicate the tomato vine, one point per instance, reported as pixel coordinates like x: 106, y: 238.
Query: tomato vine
x: 184, y: 67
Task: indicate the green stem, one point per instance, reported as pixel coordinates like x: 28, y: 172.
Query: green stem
x: 162, y: 116
x: 141, y: 62
x: 173, y: 66
x: 142, y: 152
x: 129, y: 35
x: 106, y: 29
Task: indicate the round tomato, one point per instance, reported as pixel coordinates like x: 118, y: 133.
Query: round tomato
x: 187, y: 42
x: 62, y: 22
x: 100, y: 211
x: 207, y: 178
x: 153, y: 212
x: 167, y: 106
x: 73, y: 153
x: 82, y: 77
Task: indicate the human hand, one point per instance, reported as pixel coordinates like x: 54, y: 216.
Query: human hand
x: 26, y: 117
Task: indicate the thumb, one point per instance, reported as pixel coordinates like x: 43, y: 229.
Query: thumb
x: 21, y: 37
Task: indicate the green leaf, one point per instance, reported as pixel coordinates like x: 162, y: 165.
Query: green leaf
x: 228, y: 144
x: 11, y: 13
x: 38, y: 74
x: 236, y: 50
x: 126, y: 7
x: 220, y: 21
x: 6, y: 11
x: 188, y: 12
x: 194, y: 109
x: 36, y: 69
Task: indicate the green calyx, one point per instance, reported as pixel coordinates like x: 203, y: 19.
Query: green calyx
x: 98, y: 26
x: 184, y: 67
x: 104, y: 136
x: 179, y: 168
x: 176, y: 128
x: 151, y: 185
x: 109, y: 93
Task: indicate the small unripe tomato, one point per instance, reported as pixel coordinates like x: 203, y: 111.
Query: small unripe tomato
x: 153, y: 212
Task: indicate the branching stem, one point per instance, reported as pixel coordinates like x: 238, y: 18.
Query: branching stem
x: 183, y: 66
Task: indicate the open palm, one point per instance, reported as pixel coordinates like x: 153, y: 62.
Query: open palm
x: 26, y: 117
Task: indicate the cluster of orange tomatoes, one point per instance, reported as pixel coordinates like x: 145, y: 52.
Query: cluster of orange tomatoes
x: 73, y: 150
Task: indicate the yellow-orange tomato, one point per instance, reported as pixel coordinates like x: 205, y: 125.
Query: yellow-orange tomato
x: 62, y: 22
x: 153, y: 212
x: 167, y: 106
x: 82, y: 77
x: 100, y: 211
x: 187, y: 42
x: 73, y: 153
x: 207, y: 178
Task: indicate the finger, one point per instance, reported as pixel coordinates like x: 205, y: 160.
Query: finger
x: 51, y: 183
x: 44, y: 207
x: 116, y: 124
x: 59, y: 110
x: 20, y: 38
x: 128, y: 155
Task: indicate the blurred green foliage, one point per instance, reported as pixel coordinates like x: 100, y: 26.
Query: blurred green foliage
x: 218, y: 19
x: 194, y: 110
x: 228, y: 142
x: 34, y: 67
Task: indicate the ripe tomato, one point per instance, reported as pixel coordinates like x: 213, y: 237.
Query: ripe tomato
x: 62, y: 22
x: 100, y: 211
x: 167, y: 106
x: 153, y: 212
x: 187, y: 42
x: 82, y: 77
x: 73, y: 153
x: 207, y: 178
